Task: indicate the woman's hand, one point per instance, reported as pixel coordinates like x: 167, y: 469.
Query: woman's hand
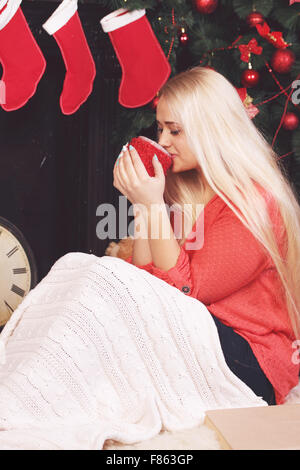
x: 132, y: 179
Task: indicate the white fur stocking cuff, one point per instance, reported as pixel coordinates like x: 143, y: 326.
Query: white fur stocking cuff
x: 8, y: 12
x: 60, y: 16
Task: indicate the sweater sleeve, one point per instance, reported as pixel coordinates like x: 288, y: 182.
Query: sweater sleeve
x: 230, y: 259
x: 147, y: 267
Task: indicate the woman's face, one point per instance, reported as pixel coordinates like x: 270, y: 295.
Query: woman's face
x: 171, y: 136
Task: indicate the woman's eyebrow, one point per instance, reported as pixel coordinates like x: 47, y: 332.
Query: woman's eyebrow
x: 168, y: 122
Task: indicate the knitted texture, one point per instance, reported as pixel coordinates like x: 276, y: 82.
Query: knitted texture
x: 146, y: 149
x: 99, y: 350
x: 235, y: 278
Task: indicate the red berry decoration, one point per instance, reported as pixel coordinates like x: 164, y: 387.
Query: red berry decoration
x: 282, y: 60
x: 255, y: 18
x: 183, y: 37
x: 206, y: 6
x: 250, y: 78
x: 290, y: 121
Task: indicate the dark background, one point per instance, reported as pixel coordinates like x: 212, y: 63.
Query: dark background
x: 55, y: 170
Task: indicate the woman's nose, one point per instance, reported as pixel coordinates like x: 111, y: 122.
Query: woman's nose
x: 164, y: 140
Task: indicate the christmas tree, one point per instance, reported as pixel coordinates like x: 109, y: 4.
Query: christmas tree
x: 255, y: 45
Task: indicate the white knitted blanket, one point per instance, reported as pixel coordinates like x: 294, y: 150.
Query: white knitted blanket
x: 101, y: 349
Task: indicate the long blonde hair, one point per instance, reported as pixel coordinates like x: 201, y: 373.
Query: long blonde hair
x: 236, y: 160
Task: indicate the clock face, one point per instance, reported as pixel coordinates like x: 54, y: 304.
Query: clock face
x: 17, y: 269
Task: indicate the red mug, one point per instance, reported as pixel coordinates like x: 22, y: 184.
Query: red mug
x: 147, y: 148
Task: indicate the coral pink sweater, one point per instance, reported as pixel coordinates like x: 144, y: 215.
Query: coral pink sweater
x: 234, y: 277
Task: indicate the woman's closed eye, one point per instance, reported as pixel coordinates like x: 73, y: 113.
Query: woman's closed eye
x: 172, y: 132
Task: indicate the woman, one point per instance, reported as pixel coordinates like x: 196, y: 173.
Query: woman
x: 102, y: 349
x: 248, y: 279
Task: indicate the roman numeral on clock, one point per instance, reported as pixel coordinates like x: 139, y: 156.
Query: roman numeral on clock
x: 17, y: 290
x: 11, y: 252
x: 19, y: 270
x: 8, y: 306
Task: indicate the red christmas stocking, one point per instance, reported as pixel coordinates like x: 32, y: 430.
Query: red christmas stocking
x: 144, y: 65
x: 21, y: 58
x: 64, y: 24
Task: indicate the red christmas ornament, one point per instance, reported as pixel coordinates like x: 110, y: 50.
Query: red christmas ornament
x: 206, y: 6
x: 290, y: 121
x: 250, y: 78
x: 154, y: 102
x: 183, y: 37
x: 282, y: 60
x: 254, y: 18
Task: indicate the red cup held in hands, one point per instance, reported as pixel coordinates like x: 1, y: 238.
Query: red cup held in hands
x: 147, y: 148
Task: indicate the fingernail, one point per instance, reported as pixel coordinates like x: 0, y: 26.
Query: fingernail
x: 155, y: 156
x: 131, y: 147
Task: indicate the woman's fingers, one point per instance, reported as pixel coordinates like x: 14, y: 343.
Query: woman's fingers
x: 119, y: 182
x: 119, y: 158
x: 127, y: 169
x: 138, y: 165
x: 124, y: 168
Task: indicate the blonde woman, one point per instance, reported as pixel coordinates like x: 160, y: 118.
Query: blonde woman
x: 108, y: 349
x: 247, y: 273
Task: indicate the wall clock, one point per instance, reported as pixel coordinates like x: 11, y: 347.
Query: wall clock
x: 18, y: 270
